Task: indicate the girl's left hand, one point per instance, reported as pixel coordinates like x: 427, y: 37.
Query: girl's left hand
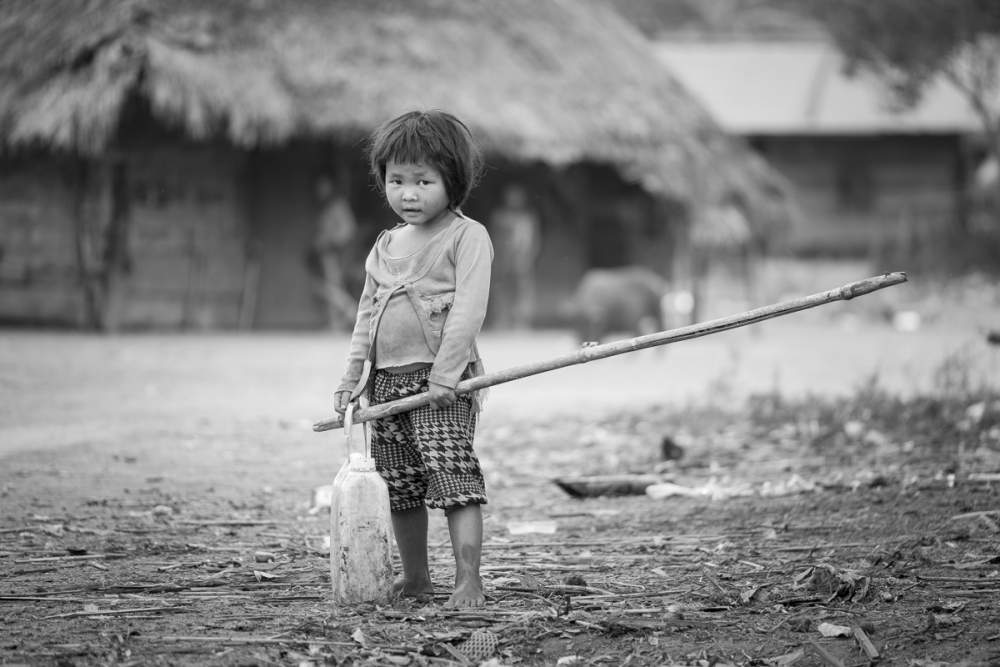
x: 440, y: 395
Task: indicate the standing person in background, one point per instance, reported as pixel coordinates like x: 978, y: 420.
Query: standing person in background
x: 333, y: 244
x: 517, y: 231
x: 723, y: 235
x: 426, y: 290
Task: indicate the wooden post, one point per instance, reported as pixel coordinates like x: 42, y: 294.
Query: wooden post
x: 583, y: 355
x: 83, y: 243
x: 116, y: 259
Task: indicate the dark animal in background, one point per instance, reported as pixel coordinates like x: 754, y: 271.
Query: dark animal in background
x: 670, y: 450
x: 623, y: 300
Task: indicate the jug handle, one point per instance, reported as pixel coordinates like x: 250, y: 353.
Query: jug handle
x: 349, y: 426
x: 348, y: 430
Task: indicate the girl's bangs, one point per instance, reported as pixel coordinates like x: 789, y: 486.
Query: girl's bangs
x: 411, y: 144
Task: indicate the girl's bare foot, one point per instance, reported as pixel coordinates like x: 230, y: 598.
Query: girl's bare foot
x: 467, y: 593
x: 465, y: 524
x: 420, y: 588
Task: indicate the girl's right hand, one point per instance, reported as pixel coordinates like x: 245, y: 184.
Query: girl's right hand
x: 341, y: 400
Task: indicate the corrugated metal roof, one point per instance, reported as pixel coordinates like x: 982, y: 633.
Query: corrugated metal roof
x: 801, y: 88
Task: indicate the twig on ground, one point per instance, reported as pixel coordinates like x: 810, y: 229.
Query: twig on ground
x: 626, y: 596
x: 958, y: 580
x: 454, y: 652
x: 654, y: 540
x: 974, y: 593
x: 826, y: 655
x: 225, y: 640
x: 563, y: 589
x: 228, y: 522
x: 53, y: 559
x: 205, y: 547
x: 520, y: 567
x: 716, y: 584
x: 818, y: 547
x: 115, y: 612
x: 38, y: 598
x: 866, y: 644
x: 166, y: 568
x: 974, y: 515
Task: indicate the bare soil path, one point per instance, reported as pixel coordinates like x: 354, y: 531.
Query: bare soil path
x: 156, y: 496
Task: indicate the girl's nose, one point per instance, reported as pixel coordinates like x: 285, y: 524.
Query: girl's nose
x: 409, y: 194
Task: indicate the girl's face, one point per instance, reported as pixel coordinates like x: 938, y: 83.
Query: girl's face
x: 415, y: 192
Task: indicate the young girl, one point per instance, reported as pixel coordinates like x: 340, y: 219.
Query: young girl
x: 426, y: 287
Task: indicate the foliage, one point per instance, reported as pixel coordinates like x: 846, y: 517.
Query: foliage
x: 909, y: 43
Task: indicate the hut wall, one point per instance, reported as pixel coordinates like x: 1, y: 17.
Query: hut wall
x: 185, y: 263
x: 282, y: 215
x: 857, y: 193
x: 589, y: 218
x: 610, y: 223
x: 218, y: 238
x: 283, y: 212
x: 561, y: 255
x: 560, y: 265
x: 39, y: 278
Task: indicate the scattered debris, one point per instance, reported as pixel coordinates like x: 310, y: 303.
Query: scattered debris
x: 670, y: 450
x: 865, y: 643
x: 827, y: 657
x: 322, y: 497
x: 480, y: 645
x: 592, y: 486
x: 835, y: 582
x: 544, y: 526
x: 786, y: 660
x: 833, y: 630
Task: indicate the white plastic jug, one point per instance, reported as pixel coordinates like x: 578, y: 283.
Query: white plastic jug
x: 360, y: 528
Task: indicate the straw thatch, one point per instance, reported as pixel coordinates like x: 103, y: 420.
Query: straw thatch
x: 554, y: 80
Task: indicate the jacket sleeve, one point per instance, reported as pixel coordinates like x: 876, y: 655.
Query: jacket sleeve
x: 360, y: 338
x: 473, y: 259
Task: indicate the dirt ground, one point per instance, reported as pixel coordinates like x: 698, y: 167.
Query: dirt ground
x: 157, y: 496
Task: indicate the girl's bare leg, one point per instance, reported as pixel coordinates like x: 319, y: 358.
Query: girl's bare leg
x: 410, y: 527
x: 466, y: 527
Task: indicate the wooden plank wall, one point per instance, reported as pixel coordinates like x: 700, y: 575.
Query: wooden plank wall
x: 187, y: 239
x: 39, y: 279
x: 582, y: 209
x: 185, y: 229
x: 900, y: 185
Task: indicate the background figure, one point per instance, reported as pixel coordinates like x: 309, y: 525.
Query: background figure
x: 722, y: 239
x: 516, y: 233
x: 335, y: 232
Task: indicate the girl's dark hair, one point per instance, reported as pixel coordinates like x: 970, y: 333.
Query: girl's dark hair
x: 434, y: 137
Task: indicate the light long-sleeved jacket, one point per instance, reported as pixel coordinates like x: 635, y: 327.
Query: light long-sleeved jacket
x: 448, y: 286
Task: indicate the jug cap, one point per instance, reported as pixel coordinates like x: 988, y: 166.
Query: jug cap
x: 361, y: 463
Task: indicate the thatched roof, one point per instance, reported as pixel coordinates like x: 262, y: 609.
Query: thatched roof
x: 554, y: 80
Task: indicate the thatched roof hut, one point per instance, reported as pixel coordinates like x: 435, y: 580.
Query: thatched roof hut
x: 546, y: 80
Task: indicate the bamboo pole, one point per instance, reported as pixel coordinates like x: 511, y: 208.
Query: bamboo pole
x: 592, y: 353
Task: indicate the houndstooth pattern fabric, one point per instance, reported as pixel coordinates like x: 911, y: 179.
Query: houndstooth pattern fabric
x: 425, y: 455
